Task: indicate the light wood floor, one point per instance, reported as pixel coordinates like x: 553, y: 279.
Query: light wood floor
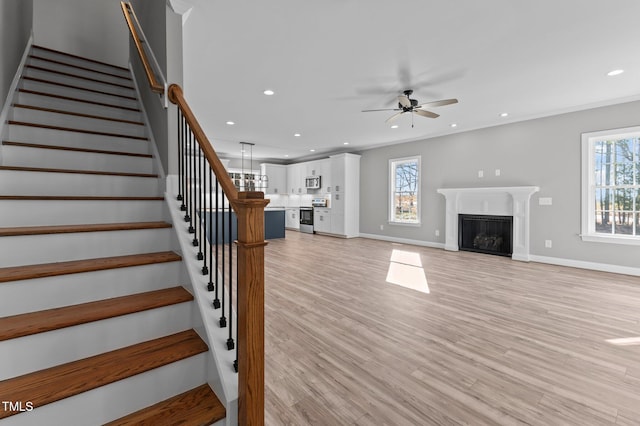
x: 493, y: 342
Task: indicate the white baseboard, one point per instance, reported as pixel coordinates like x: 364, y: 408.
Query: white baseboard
x: 403, y: 240
x: 605, y: 267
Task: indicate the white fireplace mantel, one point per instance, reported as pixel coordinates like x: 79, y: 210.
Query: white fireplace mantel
x: 501, y: 201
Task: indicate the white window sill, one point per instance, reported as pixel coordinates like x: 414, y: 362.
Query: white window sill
x: 611, y: 239
x: 414, y: 224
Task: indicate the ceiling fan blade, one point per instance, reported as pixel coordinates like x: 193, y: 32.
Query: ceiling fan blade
x: 394, y: 116
x: 427, y: 114
x: 440, y: 103
x: 404, y: 101
x: 386, y: 109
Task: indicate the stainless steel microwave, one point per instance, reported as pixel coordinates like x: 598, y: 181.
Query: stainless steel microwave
x: 312, y: 182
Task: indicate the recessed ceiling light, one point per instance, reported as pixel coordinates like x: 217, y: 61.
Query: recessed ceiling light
x: 312, y: 150
x: 504, y: 114
x: 345, y: 143
x: 286, y: 155
x: 268, y: 92
x: 297, y: 135
x: 615, y: 72
x: 454, y: 125
x: 395, y: 126
x: 230, y: 123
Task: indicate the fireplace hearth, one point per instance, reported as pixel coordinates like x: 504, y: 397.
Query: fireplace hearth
x: 486, y: 234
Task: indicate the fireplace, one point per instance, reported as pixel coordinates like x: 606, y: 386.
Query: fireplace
x: 486, y: 234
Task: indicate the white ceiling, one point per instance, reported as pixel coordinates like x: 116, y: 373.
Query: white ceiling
x: 328, y: 60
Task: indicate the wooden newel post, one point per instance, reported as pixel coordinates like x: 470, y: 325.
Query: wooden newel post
x: 250, y: 213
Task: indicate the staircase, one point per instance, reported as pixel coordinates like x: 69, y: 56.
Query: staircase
x: 95, y: 326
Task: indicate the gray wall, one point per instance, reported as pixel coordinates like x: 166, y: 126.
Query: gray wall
x: 152, y: 15
x: 16, y: 22
x: 544, y: 152
x: 90, y: 28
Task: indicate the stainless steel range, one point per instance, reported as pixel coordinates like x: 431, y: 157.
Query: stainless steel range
x: 306, y: 219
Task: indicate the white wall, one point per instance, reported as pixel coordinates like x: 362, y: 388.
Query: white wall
x: 91, y: 28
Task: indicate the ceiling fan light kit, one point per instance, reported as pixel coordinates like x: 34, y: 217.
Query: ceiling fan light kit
x: 406, y: 104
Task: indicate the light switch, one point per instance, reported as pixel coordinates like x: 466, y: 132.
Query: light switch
x: 497, y: 172
x: 545, y: 201
x: 480, y: 173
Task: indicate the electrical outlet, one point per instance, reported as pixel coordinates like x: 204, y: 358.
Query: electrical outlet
x: 480, y: 173
x: 548, y: 243
x: 437, y: 232
x: 382, y: 227
x: 497, y: 172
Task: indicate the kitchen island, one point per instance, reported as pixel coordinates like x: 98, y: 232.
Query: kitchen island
x: 274, y: 220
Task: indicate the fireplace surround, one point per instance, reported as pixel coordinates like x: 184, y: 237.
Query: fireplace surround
x: 499, y: 201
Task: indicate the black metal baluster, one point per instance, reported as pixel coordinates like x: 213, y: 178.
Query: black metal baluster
x: 235, y: 363
x: 204, y: 241
x: 230, y: 344
x: 179, y: 197
x: 197, y: 202
x: 216, y: 301
x: 185, y: 179
x: 194, y: 211
x: 223, y: 319
x: 210, y: 236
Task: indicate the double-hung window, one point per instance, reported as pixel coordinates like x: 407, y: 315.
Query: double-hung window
x: 404, y: 183
x: 611, y: 186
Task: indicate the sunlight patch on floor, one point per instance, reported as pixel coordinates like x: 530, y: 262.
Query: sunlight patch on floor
x: 625, y: 341
x: 405, y: 269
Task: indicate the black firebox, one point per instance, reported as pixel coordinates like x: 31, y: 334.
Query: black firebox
x: 486, y: 234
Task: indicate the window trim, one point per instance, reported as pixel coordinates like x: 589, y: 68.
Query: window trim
x: 588, y: 232
x: 391, y: 191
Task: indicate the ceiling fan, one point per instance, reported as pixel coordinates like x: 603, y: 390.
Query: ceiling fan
x: 406, y: 104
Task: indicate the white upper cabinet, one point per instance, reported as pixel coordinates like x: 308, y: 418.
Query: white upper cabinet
x: 295, y: 179
x: 277, y: 178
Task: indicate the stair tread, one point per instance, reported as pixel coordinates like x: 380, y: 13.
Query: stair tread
x: 71, y: 129
x: 66, y: 380
x: 94, y: 227
x: 17, y: 273
x: 80, y: 57
x: 66, y: 148
x: 27, y: 324
x: 71, y: 86
x: 69, y: 98
x: 77, y: 114
x: 67, y: 64
x: 80, y: 77
x: 75, y: 198
x: 198, y: 406
x: 84, y: 172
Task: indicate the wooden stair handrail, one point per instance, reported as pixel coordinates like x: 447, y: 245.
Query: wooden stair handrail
x: 155, y: 86
x: 176, y: 96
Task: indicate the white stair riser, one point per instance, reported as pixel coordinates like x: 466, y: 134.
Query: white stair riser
x: 42, y: 136
x: 76, y: 106
x: 78, y: 93
x: 43, y: 350
x: 34, y: 249
x: 79, y: 82
x: 70, y: 69
x: 19, y: 297
x: 67, y: 212
x: 120, y: 398
x: 76, y: 122
x: 60, y: 159
x: 42, y: 183
x: 79, y: 61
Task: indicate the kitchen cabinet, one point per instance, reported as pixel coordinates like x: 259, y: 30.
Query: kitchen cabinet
x: 295, y: 179
x: 276, y: 178
x: 324, y: 170
x: 292, y: 220
x: 345, y: 197
x: 322, y: 220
